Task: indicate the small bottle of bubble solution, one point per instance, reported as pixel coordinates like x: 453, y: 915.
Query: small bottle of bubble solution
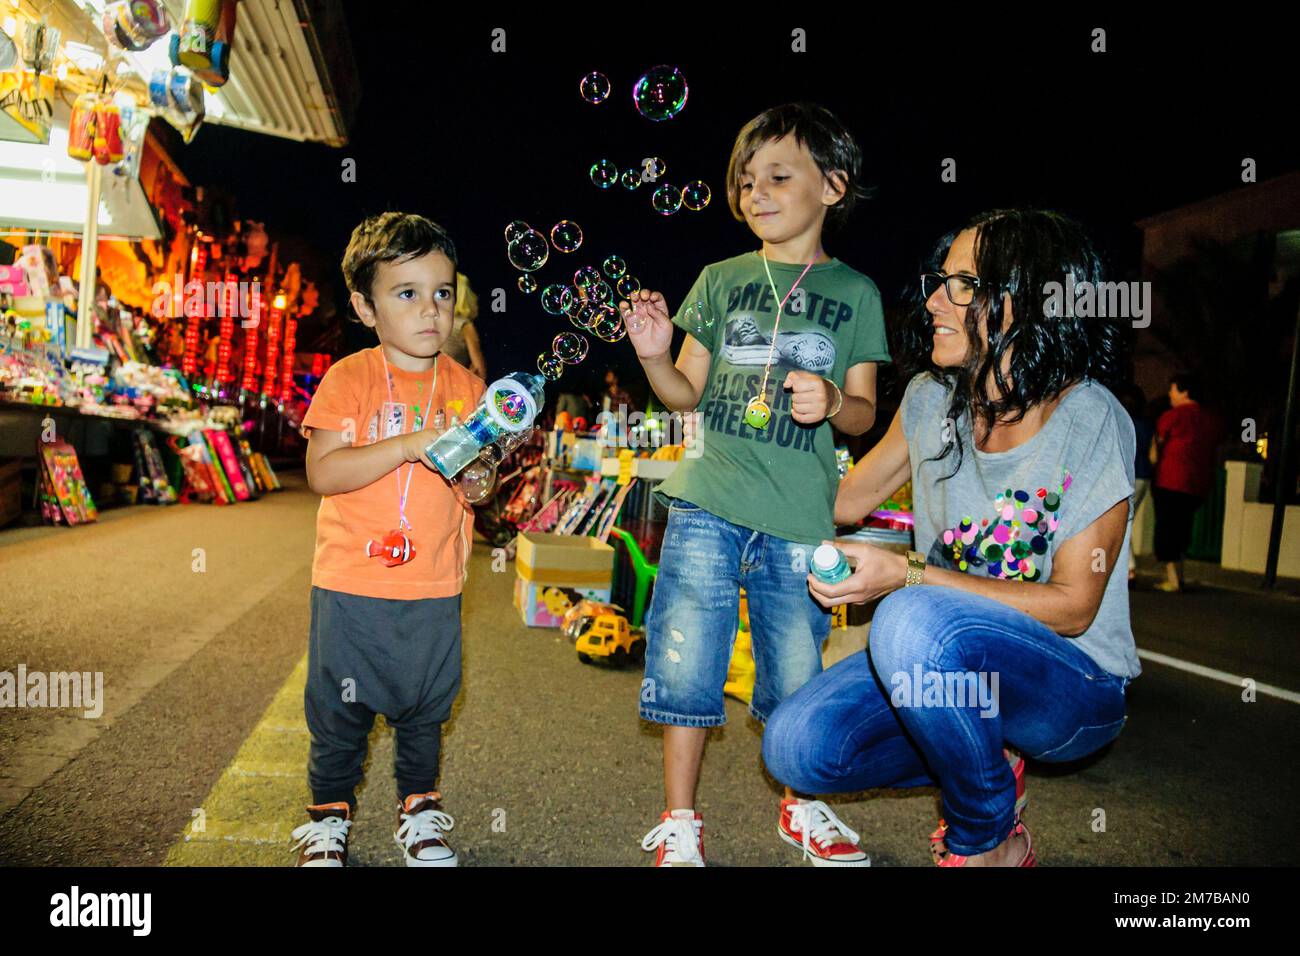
x: 829, y: 565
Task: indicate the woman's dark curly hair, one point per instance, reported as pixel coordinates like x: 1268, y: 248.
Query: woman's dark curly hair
x: 1017, y: 253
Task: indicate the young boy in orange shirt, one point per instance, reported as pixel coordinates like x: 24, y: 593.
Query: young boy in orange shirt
x: 392, y: 540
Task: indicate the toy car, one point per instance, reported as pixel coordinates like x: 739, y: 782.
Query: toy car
x: 579, y: 617
x: 609, y: 637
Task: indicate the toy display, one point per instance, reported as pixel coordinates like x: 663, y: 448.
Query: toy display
x: 153, y: 483
x: 64, y: 497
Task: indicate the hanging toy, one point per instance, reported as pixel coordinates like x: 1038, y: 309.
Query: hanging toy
x: 395, y: 548
x: 205, y: 38
x: 81, y: 127
x: 108, y: 132
x: 40, y: 45
x: 135, y: 25
x: 757, y: 413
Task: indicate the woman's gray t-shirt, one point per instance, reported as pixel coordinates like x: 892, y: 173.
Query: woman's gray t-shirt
x: 1003, y: 514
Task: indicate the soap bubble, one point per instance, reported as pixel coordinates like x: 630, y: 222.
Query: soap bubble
x: 515, y: 230
x: 527, y: 284
x: 666, y: 200
x: 661, y: 93
x: 697, y: 317
x: 631, y: 179
x: 566, y: 236
x: 477, y: 480
x: 569, y: 347
x: 604, y: 173
x: 555, y: 299
x: 590, y: 314
x: 696, y: 195
x: 600, y: 292
x: 614, y: 267
x: 637, y: 317
x: 594, y: 87
x: 653, y: 169
x: 529, y: 251
x: 576, y: 302
x: 609, y: 326
x: 586, y: 277
x: 628, y: 285
x: 550, y: 366
x: 493, y: 454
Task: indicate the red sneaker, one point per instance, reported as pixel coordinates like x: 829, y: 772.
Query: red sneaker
x: 679, y: 838
x: 956, y: 859
x: 820, y: 834
x: 938, y: 846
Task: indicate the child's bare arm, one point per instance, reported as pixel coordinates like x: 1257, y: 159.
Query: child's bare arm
x: 680, y: 385
x: 335, y: 466
x: 858, y: 413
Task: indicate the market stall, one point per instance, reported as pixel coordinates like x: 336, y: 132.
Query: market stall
x: 143, y: 322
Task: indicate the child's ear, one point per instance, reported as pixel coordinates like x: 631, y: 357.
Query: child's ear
x: 836, y: 184
x: 363, y: 308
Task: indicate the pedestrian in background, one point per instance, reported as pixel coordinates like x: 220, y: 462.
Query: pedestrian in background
x: 1183, y: 455
x: 463, y: 344
x: 1144, y: 429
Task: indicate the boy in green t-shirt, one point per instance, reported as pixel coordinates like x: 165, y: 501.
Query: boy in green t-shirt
x: 780, y: 342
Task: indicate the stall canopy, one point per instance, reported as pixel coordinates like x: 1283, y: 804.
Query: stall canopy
x: 45, y: 190
x: 291, y: 67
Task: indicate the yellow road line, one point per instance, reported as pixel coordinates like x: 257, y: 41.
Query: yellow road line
x: 246, y: 818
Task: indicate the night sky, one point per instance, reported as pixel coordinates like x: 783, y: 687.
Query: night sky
x: 474, y: 139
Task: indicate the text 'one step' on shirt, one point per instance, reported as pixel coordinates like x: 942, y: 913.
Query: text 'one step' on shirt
x: 781, y: 479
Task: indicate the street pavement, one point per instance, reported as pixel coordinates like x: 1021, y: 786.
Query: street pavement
x: 197, y: 616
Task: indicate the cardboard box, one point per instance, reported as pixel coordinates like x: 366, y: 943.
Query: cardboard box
x: 543, y: 605
x: 564, y: 559
x: 555, y: 571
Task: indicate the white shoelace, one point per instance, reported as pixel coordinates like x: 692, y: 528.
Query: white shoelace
x: 818, y: 825
x: 323, y: 836
x: 682, y: 838
x: 425, y: 825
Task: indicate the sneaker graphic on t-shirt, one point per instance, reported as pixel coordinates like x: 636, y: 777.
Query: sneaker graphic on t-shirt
x: 745, y: 345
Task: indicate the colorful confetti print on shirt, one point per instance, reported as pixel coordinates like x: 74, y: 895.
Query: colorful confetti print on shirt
x: 1012, y: 543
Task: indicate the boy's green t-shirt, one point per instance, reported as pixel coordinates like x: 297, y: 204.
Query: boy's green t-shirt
x: 781, y: 479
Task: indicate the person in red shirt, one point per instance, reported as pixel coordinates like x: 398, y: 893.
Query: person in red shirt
x: 1183, y: 454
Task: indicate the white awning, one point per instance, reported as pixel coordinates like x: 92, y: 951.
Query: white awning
x: 43, y: 188
x: 275, y: 86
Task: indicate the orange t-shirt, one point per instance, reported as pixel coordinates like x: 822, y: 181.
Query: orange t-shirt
x: 352, y: 397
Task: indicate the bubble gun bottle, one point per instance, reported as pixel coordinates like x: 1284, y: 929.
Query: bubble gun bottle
x: 829, y: 565
x: 508, y: 406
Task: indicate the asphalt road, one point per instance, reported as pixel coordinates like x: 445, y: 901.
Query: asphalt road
x: 545, y: 761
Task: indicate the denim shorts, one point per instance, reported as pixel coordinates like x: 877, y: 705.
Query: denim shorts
x: 691, y: 626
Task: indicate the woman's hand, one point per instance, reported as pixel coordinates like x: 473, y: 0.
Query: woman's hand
x: 649, y: 327
x: 878, y: 572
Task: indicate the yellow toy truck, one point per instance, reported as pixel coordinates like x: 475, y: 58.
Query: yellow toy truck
x: 609, y: 637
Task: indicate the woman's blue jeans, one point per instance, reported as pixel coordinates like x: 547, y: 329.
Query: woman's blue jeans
x: 947, y: 680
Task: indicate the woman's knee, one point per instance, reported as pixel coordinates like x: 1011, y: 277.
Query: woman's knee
x: 907, y: 627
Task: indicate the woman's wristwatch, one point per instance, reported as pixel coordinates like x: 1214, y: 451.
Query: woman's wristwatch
x: 915, y: 568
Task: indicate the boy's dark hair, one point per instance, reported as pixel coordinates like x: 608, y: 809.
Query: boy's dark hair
x: 386, y: 238
x: 1188, y: 382
x: 831, y: 145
